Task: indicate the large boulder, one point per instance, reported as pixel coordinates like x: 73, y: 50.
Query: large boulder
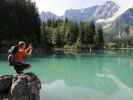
x: 20, y: 87
x: 5, y: 85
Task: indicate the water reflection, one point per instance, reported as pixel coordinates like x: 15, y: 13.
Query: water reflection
x: 85, y: 76
x: 58, y: 90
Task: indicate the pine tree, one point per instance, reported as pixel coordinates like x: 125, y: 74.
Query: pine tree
x: 100, y: 38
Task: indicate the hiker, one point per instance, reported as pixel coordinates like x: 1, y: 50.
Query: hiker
x: 17, y: 56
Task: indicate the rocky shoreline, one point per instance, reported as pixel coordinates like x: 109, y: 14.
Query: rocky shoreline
x: 20, y: 87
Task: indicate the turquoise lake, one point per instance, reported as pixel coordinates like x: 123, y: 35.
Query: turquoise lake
x: 96, y: 76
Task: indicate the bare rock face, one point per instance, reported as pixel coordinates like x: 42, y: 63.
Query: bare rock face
x: 20, y: 87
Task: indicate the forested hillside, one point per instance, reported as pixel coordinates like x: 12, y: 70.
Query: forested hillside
x: 68, y: 34
x: 19, y: 20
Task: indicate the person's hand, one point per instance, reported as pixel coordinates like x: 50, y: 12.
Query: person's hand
x: 29, y: 49
x: 30, y: 46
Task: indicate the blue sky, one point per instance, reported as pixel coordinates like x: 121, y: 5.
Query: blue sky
x: 60, y: 6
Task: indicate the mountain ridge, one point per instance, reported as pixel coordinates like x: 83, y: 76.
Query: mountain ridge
x: 91, y: 13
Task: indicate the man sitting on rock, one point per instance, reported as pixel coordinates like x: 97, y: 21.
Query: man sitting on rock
x: 21, y: 53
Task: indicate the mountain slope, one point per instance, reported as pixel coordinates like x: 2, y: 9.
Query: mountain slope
x: 108, y: 9
x: 45, y: 16
x: 122, y: 22
x: 122, y: 26
x: 92, y: 13
x: 126, y: 18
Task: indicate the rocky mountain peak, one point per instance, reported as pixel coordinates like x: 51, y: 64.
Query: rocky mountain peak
x: 108, y: 9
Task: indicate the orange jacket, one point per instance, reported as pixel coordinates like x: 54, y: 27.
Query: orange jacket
x: 20, y: 55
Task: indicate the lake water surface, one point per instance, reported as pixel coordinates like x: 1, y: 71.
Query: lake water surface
x: 96, y: 76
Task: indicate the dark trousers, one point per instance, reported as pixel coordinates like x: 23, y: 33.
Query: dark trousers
x: 20, y: 67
